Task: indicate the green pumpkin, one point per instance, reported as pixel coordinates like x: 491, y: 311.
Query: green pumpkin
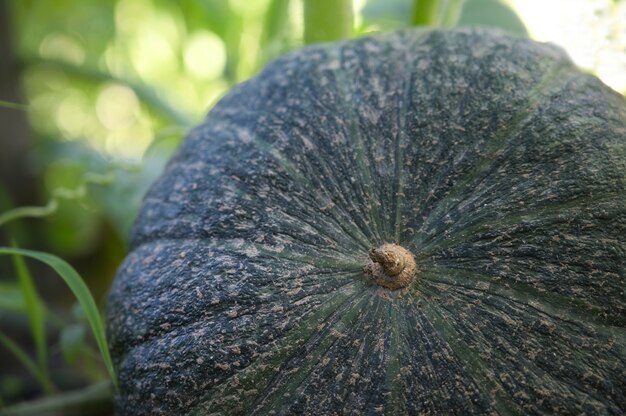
x: 423, y: 222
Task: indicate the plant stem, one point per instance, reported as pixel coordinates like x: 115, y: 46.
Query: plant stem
x: 94, y: 400
x: 60, y: 193
x: 452, y: 13
x: 327, y: 20
x: 276, y: 20
x: 275, y: 29
x: 425, y: 13
x: 29, y: 212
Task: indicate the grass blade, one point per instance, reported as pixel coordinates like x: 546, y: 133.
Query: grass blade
x: 11, y: 297
x: 25, y: 360
x: 80, y: 290
x: 36, y: 316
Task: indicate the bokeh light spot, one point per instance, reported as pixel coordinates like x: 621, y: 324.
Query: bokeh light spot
x: 62, y: 47
x: 117, y: 107
x: 72, y: 115
x: 248, y: 8
x: 205, y: 55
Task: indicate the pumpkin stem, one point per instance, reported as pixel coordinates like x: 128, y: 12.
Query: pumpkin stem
x: 391, y: 266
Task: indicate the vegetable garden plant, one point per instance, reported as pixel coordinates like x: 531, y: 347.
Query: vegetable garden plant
x: 427, y: 221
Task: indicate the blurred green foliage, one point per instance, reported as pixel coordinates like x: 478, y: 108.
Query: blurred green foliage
x: 110, y: 89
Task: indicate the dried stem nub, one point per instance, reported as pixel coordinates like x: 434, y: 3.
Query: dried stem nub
x: 391, y: 266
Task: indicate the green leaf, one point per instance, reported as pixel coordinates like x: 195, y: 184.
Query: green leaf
x: 72, y: 341
x: 327, y: 20
x: 36, y: 315
x: 80, y: 290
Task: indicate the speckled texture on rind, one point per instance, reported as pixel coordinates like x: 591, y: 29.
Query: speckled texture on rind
x: 492, y: 159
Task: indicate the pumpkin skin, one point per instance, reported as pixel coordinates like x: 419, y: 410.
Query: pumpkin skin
x: 492, y: 159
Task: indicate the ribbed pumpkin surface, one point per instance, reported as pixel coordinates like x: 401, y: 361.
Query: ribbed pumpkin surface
x: 492, y: 159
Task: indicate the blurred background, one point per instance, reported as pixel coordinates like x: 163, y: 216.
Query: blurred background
x: 95, y: 96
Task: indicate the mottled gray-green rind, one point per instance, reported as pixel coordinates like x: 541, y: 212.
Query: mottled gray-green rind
x: 491, y: 158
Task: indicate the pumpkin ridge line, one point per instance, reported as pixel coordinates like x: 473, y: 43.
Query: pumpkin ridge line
x: 473, y: 364
x: 158, y: 331
x: 511, y: 218
x: 338, y: 194
x: 392, y: 370
x: 402, y: 135
x: 360, y: 242
x: 325, y: 334
x: 539, y: 371
x: 153, y: 336
x: 303, y: 320
x: 514, y: 288
x: 357, y: 141
x: 460, y: 260
x: 522, y: 265
x: 350, y: 264
x: 330, y: 177
x: 315, y: 339
x: 323, y: 233
x: 416, y: 321
x: 292, y: 170
x: 347, y: 263
x: 363, y: 353
x: 520, y: 303
x: 332, y: 219
x: 550, y: 84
